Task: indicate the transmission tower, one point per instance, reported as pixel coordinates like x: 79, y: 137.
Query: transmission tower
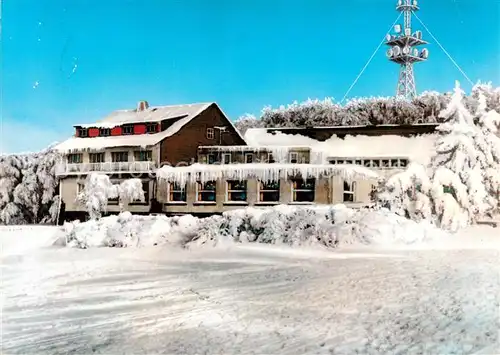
x: 403, y: 51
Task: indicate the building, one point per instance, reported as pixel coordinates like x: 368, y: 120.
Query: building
x: 191, y: 159
x: 317, y: 165
x: 136, y: 142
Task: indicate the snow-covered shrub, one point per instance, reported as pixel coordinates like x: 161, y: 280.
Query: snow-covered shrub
x: 28, y: 188
x: 326, y: 227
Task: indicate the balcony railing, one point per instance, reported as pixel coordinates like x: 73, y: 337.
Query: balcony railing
x: 106, y: 168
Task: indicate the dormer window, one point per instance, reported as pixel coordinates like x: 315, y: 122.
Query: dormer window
x: 151, y: 127
x: 104, y: 132
x: 128, y: 129
x: 83, y: 132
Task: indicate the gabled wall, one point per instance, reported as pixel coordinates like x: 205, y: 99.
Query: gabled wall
x: 182, y: 147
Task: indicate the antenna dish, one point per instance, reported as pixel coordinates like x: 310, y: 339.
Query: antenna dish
x: 415, y: 3
x: 425, y: 53
x: 418, y: 34
x: 388, y: 37
x: 407, y: 31
x: 415, y: 52
x: 390, y: 53
x: 397, y: 51
x: 400, y: 2
x: 397, y: 28
x: 406, y: 50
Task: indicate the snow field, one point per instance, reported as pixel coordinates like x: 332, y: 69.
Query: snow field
x: 247, y: 298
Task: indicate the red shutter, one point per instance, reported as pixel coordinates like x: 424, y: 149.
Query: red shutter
x: 77, y: 133
x: 93, y: 132
x: 116, y: 131
x: 158, y: 126
x: 139, y: 129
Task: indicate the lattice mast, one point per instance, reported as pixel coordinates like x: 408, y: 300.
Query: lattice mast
x: 403, y: 50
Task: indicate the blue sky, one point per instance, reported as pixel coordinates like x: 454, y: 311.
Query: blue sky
x: 74, y: 61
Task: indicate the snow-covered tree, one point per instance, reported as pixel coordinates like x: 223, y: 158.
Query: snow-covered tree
x: 28, y: 188
x: 99, y: 189
x: 130, y: 190
x: 462, y: 182
x: 247, y: 121
x: 96, y: 193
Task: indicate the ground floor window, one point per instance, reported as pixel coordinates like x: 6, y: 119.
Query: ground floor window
x: 236, y: 191
x: 269, y: 191
x: 349, y: 188
x: 303, y: 190
x: 206, y: 191
x: 176, y: 192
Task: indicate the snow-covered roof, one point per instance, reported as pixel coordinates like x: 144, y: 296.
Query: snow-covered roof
x: 151, y: 114
x: 417, y: 148
x: 74, y: 144
x: 263, y: 172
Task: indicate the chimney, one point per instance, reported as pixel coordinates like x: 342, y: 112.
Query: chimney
x: 142, y: 106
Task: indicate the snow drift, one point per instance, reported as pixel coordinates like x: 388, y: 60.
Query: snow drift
x: 321, y: 226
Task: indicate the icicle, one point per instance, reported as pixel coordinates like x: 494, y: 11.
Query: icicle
x: 263, y: 172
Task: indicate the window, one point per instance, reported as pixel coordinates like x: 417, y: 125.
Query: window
x: 75, y: 158
x: 118, y: 157
x: 358, y: 162
x: 349, y: 188
x: 348, y: 162
x: 249, y: 158
x: 104, y: 132
x: 83, y: 132
x: 303, y: 190
x: 340, y: 162
x: 269, y: 191
x: 151, y: 127
x: 226, y: 158
x: 210, y: 133
x: 376, y: 163
x: 236, y: 191
x: 385, y: 163
x: 367, y: 163
x: 128, y: 129
x: 80, y: 187
x: 294, y: 157
x: 403, y: 163
x: 205, y: 192
x: 143, y: 155
x: 270, y: 158
x: 211, y: 158
x: 96, y: 157
x: 176, y: 192
x: 394, y: 163
x: 145, y: 188
x: 333, y: 162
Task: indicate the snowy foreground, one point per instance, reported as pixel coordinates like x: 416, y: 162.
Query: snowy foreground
x: 437, y: 297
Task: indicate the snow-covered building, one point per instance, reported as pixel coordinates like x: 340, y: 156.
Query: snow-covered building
x: 135, y: 143
x: 317, y: 165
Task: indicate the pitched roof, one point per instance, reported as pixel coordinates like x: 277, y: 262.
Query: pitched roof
x: 187, y: 112
x: 182, y: 113
x: 151, y: 114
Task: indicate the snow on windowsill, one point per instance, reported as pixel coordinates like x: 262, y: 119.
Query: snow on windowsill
x: 269, y: 203
x: 181, y: 203
x: 301, y: 203
x: 204, y: 203
x: 236, y: 203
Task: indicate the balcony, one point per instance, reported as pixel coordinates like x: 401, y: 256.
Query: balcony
x: 106, y: 168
